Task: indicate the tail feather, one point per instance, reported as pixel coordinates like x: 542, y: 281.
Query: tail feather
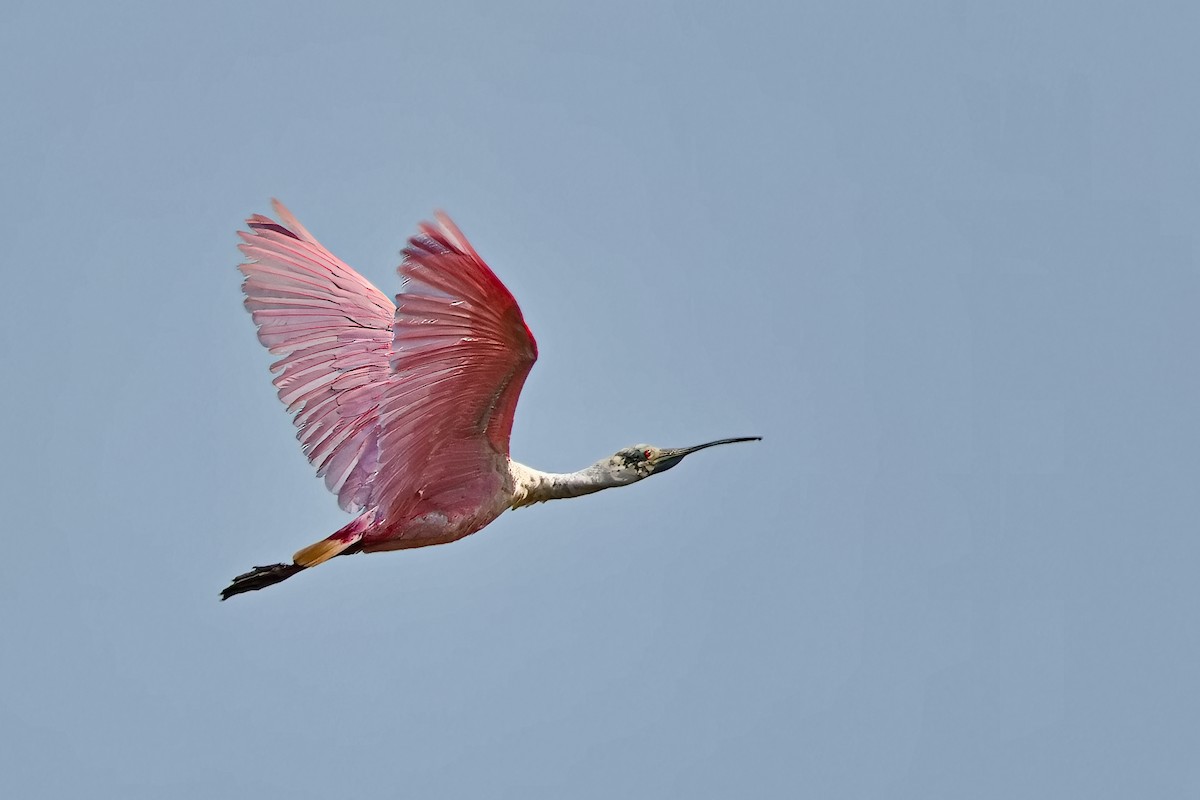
x: 260, y: 578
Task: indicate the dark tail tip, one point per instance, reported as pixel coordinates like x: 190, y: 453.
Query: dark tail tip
x: 260, y: 578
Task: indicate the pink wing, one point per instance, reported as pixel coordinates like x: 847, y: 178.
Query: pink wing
x: 461, y: 353
x: 333, y: 330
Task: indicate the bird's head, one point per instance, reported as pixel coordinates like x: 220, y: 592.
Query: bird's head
x: 631, y: 464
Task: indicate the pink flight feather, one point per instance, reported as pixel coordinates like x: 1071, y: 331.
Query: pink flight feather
x: 399, y: 407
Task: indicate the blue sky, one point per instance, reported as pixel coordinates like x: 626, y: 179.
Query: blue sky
x: 943, y: 257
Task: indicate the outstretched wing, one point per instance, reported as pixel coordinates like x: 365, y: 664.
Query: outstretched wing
x: 333, y: 331
x: 460, y: 356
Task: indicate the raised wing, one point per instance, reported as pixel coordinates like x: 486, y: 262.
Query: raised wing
x: 333, y: 331
x: 460, y: 356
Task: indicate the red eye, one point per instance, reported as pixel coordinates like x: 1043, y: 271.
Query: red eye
x: 646, y: 453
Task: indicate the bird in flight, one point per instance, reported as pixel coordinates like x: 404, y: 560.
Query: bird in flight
x: 405, y: 410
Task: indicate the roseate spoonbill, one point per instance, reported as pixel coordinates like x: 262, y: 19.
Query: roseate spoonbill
x: 406, y: 409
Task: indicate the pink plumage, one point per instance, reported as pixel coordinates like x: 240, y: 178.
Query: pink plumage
x: 333, y: 331
x: 460, y: 355
x: 405, y: 409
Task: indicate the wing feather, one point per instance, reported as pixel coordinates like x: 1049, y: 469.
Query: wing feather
x: 333, y: 331
x: 460, y: 354
x: 397, y: 406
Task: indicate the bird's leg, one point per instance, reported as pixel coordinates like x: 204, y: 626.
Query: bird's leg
x: 343, y: 542
x: 322, y: 551
x: 260, y: 578
x: 311, y: 556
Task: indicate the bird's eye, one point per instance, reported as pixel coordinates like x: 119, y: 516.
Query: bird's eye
x: 646, y: 453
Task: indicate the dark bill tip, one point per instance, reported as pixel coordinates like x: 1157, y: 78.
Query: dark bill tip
x: 683, y: 451
x: 672, y: 457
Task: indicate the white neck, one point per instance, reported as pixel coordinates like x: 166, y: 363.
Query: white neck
x: 534, y: 486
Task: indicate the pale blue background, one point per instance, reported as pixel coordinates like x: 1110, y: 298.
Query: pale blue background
x: 943, y: 256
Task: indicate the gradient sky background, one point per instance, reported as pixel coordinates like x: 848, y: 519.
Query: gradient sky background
x: 943, y: 258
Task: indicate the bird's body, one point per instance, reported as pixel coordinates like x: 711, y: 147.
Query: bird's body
x: 405, y: 409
